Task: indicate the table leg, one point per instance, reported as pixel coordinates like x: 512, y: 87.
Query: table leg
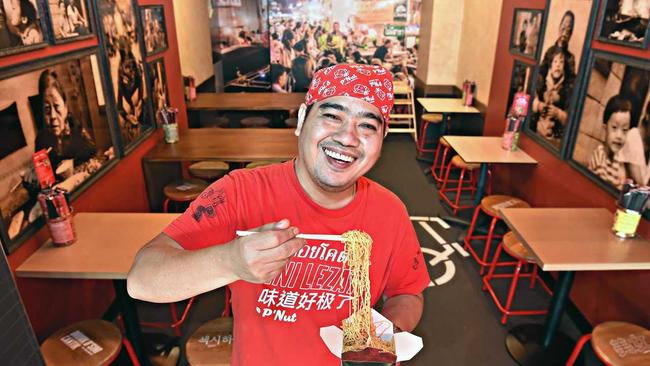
x: 131, y: 322
x: 480, y: 186
x: 537, y: 345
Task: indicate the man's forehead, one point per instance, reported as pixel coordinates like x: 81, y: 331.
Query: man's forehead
x: 353, y: 105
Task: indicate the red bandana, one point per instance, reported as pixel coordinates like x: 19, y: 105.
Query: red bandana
x: 371, y: 83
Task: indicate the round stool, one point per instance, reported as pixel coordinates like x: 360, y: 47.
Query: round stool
x: 461, y: 184
x: 183, y: 190
x: 255, y: 122
x: 513, y: 247
x: 89, y: 342
x: 291, y: 122
x: 257, y: 164
x: 215, y: 122
x: 211, y: 343
x: 440, y: 164
x: 427, y: 119
x: 617, y: 344
x: 490, y: 205
x: 209, y: 170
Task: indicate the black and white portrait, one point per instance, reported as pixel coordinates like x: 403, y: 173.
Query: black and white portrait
x: 118, y: 22
x: 625, y: 22
x: 58, y: 108
x: 21, y: 26
x: 159, y: 93
x: 155, y: 35
x: 525, y: 32
x: 613, y: 140
x: 70, y: 19
x: 563, y: 44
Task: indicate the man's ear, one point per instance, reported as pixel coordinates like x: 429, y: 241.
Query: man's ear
x: 302, y: 114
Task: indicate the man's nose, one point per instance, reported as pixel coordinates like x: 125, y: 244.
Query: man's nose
x: 347, y: 134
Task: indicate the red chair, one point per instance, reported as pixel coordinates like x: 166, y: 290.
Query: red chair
x: 490, y: 205
x: 438, y: 166
x: 462, y: 184
x: 617, y: 344
x: 515, y: 249
x: 427, y: 119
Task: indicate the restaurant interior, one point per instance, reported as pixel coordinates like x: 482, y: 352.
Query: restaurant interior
x: 519, y: 143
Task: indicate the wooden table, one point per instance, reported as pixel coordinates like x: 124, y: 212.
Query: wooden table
x: 106, y: 246
x: 566, y: 240
x: 246, y: 101
x: 446, y: 106
x: 485, y: 150
x: 161, y: 166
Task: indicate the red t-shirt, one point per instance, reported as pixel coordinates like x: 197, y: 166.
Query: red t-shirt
x: 278, y: 322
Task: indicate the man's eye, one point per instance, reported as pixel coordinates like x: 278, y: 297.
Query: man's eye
x: 330, y: 116
x: 369, y: 126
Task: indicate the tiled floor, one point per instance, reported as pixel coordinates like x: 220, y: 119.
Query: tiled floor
x: 460, y: 325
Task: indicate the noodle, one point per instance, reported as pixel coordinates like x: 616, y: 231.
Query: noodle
x: 359, y: 331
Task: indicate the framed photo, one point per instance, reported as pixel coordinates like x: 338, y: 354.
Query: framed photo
x: 22, y: 26
x: 521, y: 81
x: 158, y: 85
x: 122, y: 44
x: 155, y: 29
x: 526, y: 28
x: 625, y: 22
x: 611, y: 143
x: 565, y: 43
x: 70, y: 20
x: 60, y: 106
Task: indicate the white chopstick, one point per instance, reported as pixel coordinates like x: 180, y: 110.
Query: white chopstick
x: 302, y: 236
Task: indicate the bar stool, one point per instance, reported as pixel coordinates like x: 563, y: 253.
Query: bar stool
x: 617, y: 344
x: 257, y: 164
x: 291, y: 122
x: 440, y: 165
x: 215, y: 122
x: 427, y: 119
x: 209, y: 170
x: 211, y: 343
x: 255, y: 122
x: 490, y: 205
x: 183, y: 190
x: 461, y: 184
x: 87, y: 343
x: 515, y: 249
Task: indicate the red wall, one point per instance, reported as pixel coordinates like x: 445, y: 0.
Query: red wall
x: 601, y: 296
x: 54, y: 303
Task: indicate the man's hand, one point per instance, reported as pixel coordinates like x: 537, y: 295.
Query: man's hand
x: 260, y: 257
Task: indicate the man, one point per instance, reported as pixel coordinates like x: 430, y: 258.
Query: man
x: 284, y: 289
x: 383, y: 52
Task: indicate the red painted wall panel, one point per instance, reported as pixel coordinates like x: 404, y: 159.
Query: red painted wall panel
x: 54, y: 303
x: 601, y: 296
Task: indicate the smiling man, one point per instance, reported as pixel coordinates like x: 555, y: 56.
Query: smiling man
x: 284, y: 289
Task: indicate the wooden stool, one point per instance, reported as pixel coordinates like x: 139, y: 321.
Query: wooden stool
x: 183, y: 190
x: 461, y: 185
x: 491, y: 205
x: 427, y: 119
x: 291, y: 122
x: 257, y: 164
x: 211, y: 343
x: 209, y: 170
x: 87, y: 343
x: 215, y: 122
x: 617, y: 344
x: 255, y: 122
x: 515, y: 249
x: 440, y: 174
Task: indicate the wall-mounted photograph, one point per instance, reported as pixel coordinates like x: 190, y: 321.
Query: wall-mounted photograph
x: 158, y: 88
x: 70, y: 19
x: 59, y: 108
x: 613, y: 140
x: 520, y: 81
x: 564, y: 42
x: 625, y: 22
x: 526, y: 26
x: 118, y: 21
x: 21, y: 26
x: 155, y: 35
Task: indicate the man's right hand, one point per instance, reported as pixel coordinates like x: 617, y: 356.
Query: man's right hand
x: 260, y: 257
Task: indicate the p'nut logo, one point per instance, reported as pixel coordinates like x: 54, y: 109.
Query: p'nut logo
x: 363, y: 71
x: 369, y: 98
x: 388, y: 85
x: 329, y: 91
x: 348, y: 79
x: 384, y: 109
x: 380, y: 94
x: 390, y: 96
x: 375, y: 83
x: 308, y: 98
x: 341, y: 73
x: 315, y: 83
x: 379, y: 71
x: 361, y: 89
x: 327, y: 70
x: 322, y: 88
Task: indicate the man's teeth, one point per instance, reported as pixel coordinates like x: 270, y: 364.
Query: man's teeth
x: 338, y: 156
